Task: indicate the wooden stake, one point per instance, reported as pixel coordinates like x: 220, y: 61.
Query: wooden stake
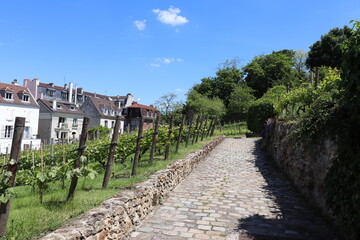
x: 153, y: 145
x: 138, y: 146
x: 195, y: 129
x: 12, y: 167
x: 204, y: 130
x: 77, y: 164
x: 168, y: 144
x: 180, y: 132
x: 189, y: 131
x: 111, y: 154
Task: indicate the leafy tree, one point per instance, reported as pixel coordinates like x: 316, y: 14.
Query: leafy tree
x: 266, y: 71
x: 228, y: 77
x: 240, y: 100
x: 328, y: 50
x: 168, y: 105
x: 200, y: 104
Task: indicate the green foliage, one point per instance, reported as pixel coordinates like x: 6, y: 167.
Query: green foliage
x: 240, y: 100
x: 266, y: 71
x: 200, y: 104
x: 296, y: 102
x: 227, y: 78
x: 328, y: 50
x: 103, y: 131
x: 5, y: 191
x: 258, y: 113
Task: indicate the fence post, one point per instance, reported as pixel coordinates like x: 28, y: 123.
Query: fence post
x: 204, y: 130
x: 77, y: 163
x: 153, y: 145
x: 138, y: 146
x: 111, y: 153
x: 180, y: 132
x: 195, y: 129
x: 168, y: 140
x: 12, y: 168
x: 189, y: 131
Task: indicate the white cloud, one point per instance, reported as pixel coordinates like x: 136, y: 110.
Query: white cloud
x: 180, y: 90
x: 170, y: 16
x: 140, y: 25
x: 154, y: 65
x: 168, y: 60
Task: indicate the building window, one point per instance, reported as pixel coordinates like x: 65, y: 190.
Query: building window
x: 64, y: 95
x: 72, y: 108
x: 106, y: 123
x: 58, y: 106
x: 8, y: 131
x: 50, y: 92
x: 27, y: 133
x: 26, y: 98
x: 9, y: 95
x: 112, y: 124
x: 62, y: 120
x: 75, y: 122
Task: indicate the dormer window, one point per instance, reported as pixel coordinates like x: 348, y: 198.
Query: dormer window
x: 72, y: 108
x: 58, y: 106
x: 9, y: 95
x: 50, y: 92
x: 25, y: 98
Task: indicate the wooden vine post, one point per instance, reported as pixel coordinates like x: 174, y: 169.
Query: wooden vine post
x: 200, y: 128
x: 138, y: 146
x: 77, y: 163
x: 111, y: 153
x: 153, y: 145
x: 189, y: 131
x: 195, y: 129
x: 180, y: 133
x: 210, y: 127
x: 213, y: 127
x: 168, y: 140
x: 12, y: 168
x: 204, y: 130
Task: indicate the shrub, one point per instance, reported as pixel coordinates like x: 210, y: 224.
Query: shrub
x: 258, y: 113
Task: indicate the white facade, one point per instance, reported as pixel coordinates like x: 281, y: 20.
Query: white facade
x: 8, y: 113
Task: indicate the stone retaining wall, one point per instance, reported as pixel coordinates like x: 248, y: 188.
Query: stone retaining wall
x: 117, y: 216
x: 306, y: 166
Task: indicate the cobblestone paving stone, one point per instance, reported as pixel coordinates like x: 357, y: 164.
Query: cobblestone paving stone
x: 234, y: 194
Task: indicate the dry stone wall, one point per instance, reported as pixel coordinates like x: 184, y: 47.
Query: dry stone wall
x: 307, y: 166
x: 117, y: 216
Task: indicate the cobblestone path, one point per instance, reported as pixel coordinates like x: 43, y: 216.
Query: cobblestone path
x: 234, y: 194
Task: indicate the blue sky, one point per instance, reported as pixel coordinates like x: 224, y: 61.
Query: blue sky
x: 150, y: 48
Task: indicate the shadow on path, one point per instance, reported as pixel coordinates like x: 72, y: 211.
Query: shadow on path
x: 292, y: 218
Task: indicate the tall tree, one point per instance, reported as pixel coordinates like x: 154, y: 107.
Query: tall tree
x: 266, y: 71
x: 228, y: 77
x: 328, y: 50
x: 240, y: 100
x: 201, y: 104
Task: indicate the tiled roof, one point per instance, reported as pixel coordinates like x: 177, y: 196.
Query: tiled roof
x: 65, y: 107
x: 18, y: 92
x: 100, y: 103
x: 138, y: 105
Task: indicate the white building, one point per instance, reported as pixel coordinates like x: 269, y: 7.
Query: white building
x: 17, y: 101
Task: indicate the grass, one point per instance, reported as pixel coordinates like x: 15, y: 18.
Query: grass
x: 31, y: 220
